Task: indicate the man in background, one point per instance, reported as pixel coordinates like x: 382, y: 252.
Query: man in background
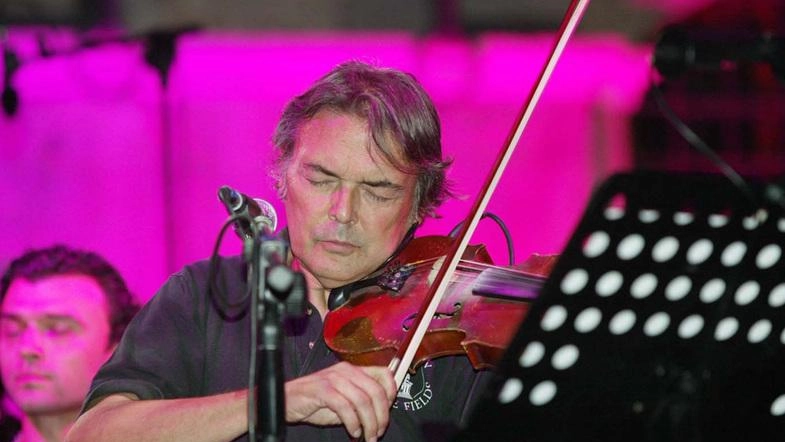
x: 62, y: 311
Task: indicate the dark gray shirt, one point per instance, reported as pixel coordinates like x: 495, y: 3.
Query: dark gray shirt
x: 180, y: 346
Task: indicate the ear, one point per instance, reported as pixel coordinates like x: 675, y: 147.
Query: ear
x: 280, y: 187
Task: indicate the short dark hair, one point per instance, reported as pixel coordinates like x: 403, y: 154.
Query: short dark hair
x: 394, y: 104
x: 38, y: 264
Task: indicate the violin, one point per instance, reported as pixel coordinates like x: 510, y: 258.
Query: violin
x: 478, y: 315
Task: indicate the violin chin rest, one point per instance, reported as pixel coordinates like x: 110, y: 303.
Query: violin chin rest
x: 338, y: 297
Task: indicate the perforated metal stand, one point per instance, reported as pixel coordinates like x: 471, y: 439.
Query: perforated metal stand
x: 664, y: 320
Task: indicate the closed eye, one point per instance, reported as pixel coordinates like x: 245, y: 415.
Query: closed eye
x: 379, y: 198
x: 11, y: 327
x: 60, y: 327
x: 319, y: 183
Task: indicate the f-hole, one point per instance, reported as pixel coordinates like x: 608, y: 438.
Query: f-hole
x: 456, y: 307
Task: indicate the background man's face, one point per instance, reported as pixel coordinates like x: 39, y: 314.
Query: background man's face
x: 54, y: 335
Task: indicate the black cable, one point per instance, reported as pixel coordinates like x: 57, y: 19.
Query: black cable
x: 698, y: 144
x: 219, y: 299
x: 223, y: 305
x: 502, y: 226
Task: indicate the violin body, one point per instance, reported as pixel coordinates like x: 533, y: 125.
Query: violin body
x: 474, y: 318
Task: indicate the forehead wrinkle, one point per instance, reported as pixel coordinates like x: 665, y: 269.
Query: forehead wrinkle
x: 314, y: 167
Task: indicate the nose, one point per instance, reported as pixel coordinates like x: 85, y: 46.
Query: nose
x: 29, y: 345
x: 342, y: 205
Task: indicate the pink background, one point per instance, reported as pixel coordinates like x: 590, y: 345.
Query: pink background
x: 100, y: 156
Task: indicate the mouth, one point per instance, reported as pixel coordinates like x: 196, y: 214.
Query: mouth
x: 28, y: 378
x: 338, y: 247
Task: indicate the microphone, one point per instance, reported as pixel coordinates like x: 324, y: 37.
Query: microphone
x: 248, y: 210
x: 678, y: 50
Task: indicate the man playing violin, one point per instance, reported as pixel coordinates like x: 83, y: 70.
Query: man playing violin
x: 359, y: 166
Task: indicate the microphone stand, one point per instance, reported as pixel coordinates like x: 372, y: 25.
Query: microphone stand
x: 276, y: 292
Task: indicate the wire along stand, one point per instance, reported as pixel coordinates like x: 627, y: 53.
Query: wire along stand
x: 664, y: 320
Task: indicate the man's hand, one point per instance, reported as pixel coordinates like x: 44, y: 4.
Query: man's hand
x: 357, y: 397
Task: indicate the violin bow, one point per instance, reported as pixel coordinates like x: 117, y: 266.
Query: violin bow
x: 401, y: 362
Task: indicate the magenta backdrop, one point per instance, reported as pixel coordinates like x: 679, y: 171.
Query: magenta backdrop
x: 101, y: 156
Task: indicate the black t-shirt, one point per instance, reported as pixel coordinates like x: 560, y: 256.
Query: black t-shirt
x: 180, y: 346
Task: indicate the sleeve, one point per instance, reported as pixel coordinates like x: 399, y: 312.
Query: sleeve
x: 160, y: 354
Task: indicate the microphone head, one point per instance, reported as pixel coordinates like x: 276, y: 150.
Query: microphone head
x: 264, y: 215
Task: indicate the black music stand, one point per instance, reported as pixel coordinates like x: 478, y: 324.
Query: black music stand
x: 662, y: 321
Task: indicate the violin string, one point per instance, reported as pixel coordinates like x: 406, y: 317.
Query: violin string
x: 475, y: 268
x: 421, y: 265
x: 427, y: 265
x: 467, y: 272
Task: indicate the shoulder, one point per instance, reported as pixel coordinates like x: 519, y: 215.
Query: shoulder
x: 189, y: 290
x: 229, y: 268
x: 227, y: 273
